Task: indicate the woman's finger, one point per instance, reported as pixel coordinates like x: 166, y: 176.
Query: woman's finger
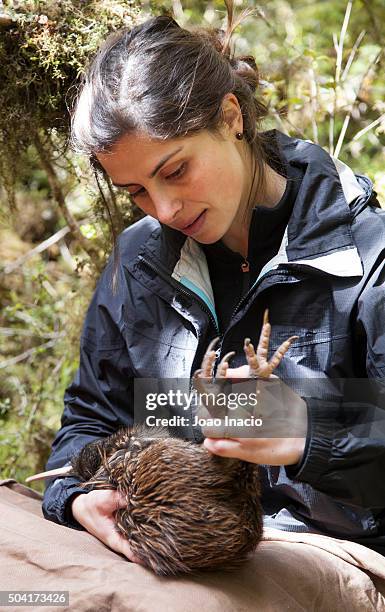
x: 119, y: 544
x: 224, y: 447
x: 110, y: 500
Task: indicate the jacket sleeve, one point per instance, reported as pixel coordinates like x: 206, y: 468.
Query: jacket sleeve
x: 345, y: 450
x: 100, y: 398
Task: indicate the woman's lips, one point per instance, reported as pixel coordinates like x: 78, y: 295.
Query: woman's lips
x: 195, y: 226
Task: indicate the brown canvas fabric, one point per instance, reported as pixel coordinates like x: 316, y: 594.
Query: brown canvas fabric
x: 294, y: 572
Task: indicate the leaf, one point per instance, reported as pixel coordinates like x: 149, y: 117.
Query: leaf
x: 89, y: 231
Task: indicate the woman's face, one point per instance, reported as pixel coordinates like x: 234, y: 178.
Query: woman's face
x: 195, y: 184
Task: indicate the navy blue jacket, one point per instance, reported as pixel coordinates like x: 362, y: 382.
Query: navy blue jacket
x: 325, y: 285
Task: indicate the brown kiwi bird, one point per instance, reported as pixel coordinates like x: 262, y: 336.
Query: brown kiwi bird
x: 187, y: 509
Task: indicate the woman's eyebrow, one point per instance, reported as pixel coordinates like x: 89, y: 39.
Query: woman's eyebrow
x: 156, y: 169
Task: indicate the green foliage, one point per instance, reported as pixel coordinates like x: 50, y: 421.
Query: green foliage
x: 44, y: 47
x: 39, y: 334
x: 43, y: 53
x: 329, y: 83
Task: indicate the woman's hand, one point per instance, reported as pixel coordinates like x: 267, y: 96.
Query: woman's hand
x: 265, y: 451
x: 95, y: 512
x: 281, y: 438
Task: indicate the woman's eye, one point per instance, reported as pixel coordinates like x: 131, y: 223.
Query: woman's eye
x: 179, y: 172
x: 174, y: 175
x: 139, y: 192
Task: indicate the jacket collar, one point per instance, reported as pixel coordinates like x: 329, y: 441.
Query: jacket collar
x: 319, y: 230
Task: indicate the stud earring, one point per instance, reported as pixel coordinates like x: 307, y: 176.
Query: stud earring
x: 239, y: 135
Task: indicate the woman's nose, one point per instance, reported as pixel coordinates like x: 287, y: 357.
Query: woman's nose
x: 167, y: 207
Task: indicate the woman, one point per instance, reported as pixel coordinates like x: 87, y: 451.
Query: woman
x: 237, y: 221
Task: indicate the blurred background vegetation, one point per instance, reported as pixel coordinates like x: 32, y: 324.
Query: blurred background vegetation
x: 322, y: 77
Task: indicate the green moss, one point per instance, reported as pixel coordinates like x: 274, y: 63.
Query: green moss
x: 42, y: 57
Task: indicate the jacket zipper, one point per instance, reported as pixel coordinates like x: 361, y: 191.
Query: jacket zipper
x: 243, y: 299
x: 182, y: 289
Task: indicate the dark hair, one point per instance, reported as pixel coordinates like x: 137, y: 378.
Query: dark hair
x: 168, y: 82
